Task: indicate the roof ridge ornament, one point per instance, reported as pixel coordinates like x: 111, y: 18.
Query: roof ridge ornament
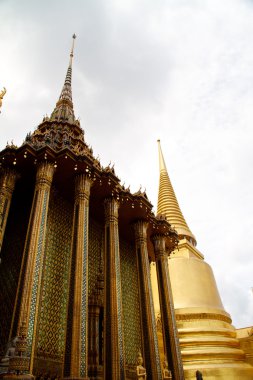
x: 2, y: 93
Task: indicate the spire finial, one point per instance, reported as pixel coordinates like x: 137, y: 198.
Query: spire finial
x: 64, y: 107
x: 72, y: 49
x: 162, y: 165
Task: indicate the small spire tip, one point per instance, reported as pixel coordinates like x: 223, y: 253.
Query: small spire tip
x: 72, y: 50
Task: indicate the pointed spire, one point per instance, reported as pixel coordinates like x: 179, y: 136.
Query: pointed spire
x: 168, y: 204
x: 64, y: 110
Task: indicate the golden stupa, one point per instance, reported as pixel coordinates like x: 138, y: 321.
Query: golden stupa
x: 207, y: 338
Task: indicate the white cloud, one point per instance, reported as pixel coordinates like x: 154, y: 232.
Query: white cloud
x: 176, y: 70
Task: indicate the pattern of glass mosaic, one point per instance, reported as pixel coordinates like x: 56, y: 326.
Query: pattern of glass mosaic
x: 3, y: 208
x: 54, y: 293
x: 71, y: 286
x: 84, y: 322
x: 107, y: 305
x: 119, y: 304
x: 130, y: 301
x: 158, y: 364
x: 11, y: 255
x: 37, y: 274
x: 144, y: 305
x: 95, y: 250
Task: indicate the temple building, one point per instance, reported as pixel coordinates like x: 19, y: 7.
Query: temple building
x: 76, y: 247
x: 208, y: 341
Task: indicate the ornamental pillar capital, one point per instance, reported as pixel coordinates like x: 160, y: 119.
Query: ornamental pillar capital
x: 44, y: 175
x: 82, y: 187
x: 8, y: 180
x: 111, y: 206
x: 140, y: 230
x: 159, y: 245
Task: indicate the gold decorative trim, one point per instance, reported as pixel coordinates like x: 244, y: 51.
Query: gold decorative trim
x: 19, y: 363
x: 189, y: 317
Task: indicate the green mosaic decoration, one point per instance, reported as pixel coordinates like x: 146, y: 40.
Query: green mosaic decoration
x: 84, y: 322
x: 119, y: 306
x: 54, y: 291
x: 157, y: 356
x: 130, y: 302
x: 11, y: 256
x: 35, y: 286
x: 95, y: 251
x: 68, y: 337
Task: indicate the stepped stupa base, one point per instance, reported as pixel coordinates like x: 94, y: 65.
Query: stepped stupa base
x: 210, y: 346
x: 222, y: 371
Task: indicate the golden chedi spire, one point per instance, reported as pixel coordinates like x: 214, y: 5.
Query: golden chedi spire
x: 207, y: 338
x: 64, y: 110
x: 168, y: 204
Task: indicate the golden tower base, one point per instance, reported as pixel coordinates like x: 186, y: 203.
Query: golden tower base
x: 207, y: 339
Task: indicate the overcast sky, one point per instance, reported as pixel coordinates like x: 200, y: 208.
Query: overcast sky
x: 178, y: 70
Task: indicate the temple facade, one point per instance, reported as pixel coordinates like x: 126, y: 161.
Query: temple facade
x: 76, y: 247
x: 208, y: 341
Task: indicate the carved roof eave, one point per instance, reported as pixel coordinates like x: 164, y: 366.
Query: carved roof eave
x: 142, y: 208
x: 11, y: 154
x: 38, y: 154
x: 111, y: 176
x: 74, y: 126
x: 160, y: 226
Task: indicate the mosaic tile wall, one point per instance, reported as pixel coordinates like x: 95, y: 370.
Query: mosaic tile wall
x: 68, y: 338
x: 11, y: 256
x: 119, y: 306
x: 84, y: 301
x: 37, y: 269
x: 54, y: 294
x: 94, y: 255
x: 130, y: 301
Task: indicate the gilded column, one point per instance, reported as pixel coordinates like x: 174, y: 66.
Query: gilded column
x: 34, y: 252
x: 114, y: 363
x: 7, y: 184
x: 170, y: 338
x: 79, y: 341
x: 151, y: 351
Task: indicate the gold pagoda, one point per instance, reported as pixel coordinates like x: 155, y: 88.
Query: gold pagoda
x: 207, y: 338
x: 76, y: 247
